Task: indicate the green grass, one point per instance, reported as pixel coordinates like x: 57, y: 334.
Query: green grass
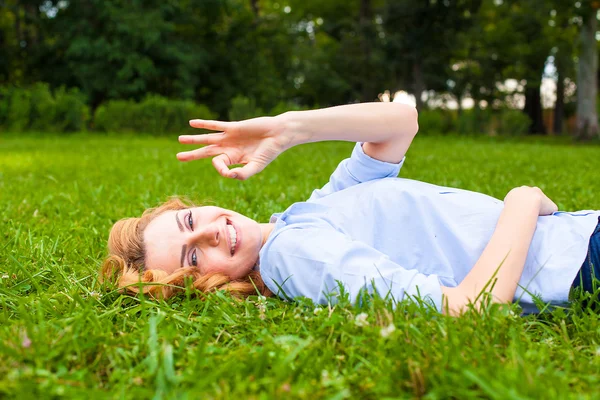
x: 61, y: 334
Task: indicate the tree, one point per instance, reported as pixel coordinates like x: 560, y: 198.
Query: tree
x: 105, y: 48
x: 587, y: 79
x: 563, y: 33
x: 421, y: 39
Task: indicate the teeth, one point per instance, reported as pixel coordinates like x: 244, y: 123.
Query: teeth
x: 232, y: 236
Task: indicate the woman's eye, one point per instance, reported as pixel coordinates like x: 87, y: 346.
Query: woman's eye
x: 194, y: 259
x: 190, y: 221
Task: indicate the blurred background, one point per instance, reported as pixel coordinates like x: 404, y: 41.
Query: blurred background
x: 494, y: 67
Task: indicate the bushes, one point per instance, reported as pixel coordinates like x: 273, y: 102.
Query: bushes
x: 436, y: 121
x: 244, y: 108
x: 155, y: 114
x: 513, y: 122
x: 38, y: 109
x: 474, y: 121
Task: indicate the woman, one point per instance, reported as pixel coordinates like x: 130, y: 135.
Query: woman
x: 365, y: 229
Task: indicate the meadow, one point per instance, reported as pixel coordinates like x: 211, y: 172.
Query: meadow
x: 63, y: 334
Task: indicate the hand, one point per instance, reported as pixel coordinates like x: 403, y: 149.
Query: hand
x: 253, y: 142
x: 546, y: 206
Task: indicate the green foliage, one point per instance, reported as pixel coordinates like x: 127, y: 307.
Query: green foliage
x: 513, y: 122
x: 19, y: 110
x: 64, y: 335
x: 283, y: 106
x: 436, y: 121
x: 4, y: 105
x: 475, y: 121
x: 243, y: 108
x: 307, y: 51
x: 39, y: 109
x: 154, y: 114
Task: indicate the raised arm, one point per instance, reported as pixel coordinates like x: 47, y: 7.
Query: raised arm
x: 386, y: 128
x: 504, y: 257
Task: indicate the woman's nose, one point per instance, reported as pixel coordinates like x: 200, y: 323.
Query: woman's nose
x: 207, y: 234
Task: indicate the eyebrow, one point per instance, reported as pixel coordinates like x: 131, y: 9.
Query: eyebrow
x: 184, y: 247
x: 178, y: 222
x: 183, y: 250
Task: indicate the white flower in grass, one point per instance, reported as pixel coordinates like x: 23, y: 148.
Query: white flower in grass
x: 361, y: 320
x: 549, y: 341
x: 25, y: 342
x: 317, y: 310
x: 387, y: 331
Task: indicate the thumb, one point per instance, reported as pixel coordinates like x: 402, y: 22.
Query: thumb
x: 245, y: 172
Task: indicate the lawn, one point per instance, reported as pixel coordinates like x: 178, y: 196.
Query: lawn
x: 62, y: 334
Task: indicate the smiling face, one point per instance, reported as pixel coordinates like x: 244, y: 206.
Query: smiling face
x: 213, y: 239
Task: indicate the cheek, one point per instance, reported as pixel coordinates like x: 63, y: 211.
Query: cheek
x: 213, y: 259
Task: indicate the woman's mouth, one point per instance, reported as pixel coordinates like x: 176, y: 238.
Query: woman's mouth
x: 232, y: 237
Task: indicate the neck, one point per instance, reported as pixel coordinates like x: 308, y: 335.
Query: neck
x: 265, y: 230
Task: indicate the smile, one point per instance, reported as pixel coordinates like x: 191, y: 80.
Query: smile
x: 232, y: 237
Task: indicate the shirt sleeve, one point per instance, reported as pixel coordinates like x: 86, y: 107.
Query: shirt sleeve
x: 357, y: 169
x: 313, y: 262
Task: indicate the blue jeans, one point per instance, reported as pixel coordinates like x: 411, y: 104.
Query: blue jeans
x: 590, y: 270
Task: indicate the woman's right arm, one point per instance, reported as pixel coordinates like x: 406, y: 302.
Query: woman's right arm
x: 386, y: 128
x: 501, y: 264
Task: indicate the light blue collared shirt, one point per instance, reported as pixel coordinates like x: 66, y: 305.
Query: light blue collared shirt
x: 369, y: 230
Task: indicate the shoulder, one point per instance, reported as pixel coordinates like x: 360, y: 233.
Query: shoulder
x: 295, y: 261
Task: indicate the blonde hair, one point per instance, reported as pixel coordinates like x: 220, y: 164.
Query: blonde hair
x: 125, y: 263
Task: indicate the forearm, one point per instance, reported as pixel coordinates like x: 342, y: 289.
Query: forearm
x: 502, y: 260
x: 387, y: 128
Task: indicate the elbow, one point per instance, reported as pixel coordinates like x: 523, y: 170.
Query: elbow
x: 415, y: 117
x: 403, y: 118
x: 410, y: 120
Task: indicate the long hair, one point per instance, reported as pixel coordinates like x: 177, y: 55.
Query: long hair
x: 125, y: 263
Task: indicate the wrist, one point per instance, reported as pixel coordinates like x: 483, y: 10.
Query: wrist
x: 524, y: 197
x: 293, y: 128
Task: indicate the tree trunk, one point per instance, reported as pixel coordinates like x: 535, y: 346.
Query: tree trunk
x: 364, y: 23
x: 587, y: 85
x: 254, y: 6
x: 418, y: 84
x: 33, y: 22
x: 18, y: 29
x: 533, y: 109
x: 559, y: 107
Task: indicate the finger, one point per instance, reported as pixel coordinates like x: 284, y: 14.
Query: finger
x: 245, y: 172
x: 198, y: 154
x: 210, y: 124
x: 210, y: 138
x: 221, y: 164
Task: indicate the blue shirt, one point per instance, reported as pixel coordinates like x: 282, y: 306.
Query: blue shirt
x: 369, y: 230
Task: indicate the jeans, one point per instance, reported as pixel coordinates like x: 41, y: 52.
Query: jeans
x: 590, y: 269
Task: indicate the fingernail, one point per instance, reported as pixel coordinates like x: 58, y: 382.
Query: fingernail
x: 234, y: 175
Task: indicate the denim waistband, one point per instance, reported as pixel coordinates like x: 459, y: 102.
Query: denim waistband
x: 590, y: 269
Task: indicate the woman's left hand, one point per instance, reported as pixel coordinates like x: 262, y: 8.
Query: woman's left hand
x: 546, y: 206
